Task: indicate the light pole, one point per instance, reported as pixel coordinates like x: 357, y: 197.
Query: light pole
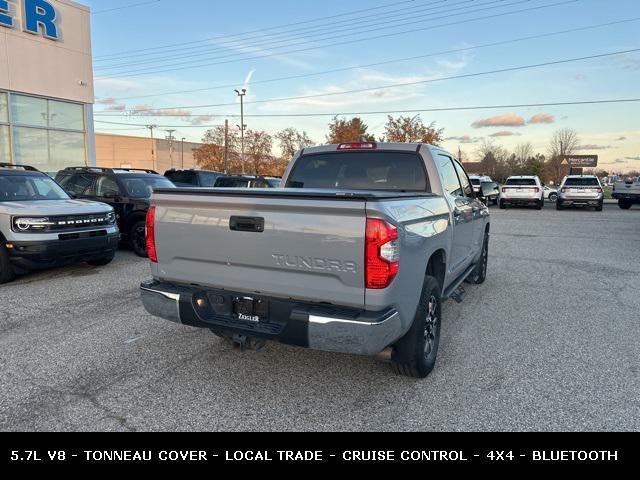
x: 242, y: 126
x: 171, y: 138
x: 153, y: 161
x: 182, y: 153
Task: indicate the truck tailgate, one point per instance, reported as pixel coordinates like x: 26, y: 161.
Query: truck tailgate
x: 299, y: 248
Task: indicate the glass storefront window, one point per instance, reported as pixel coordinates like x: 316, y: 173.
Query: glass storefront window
x: 30, y: 147
x: 67, y: 116
x: 5, y: 153
x: 47, y: 134
x: 4, y: 110
x: 29, y: 111
x: 66, y: 149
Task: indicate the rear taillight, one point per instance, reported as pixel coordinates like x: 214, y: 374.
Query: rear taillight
x: 537, y: 190
x: 599, y: 190
x: 151, y: 235
x: 358, y: 146
x: 382, y: 254
x: 504, y: 190
x: 564, y: 190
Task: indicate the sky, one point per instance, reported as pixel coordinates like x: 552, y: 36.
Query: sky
x: 156, y: 62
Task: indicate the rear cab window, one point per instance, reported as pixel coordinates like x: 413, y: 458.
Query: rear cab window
x: 232, y: 183
x: 183, y: 178
x: 371, y: 170
x: 582, y: 182
x: 521, y: 182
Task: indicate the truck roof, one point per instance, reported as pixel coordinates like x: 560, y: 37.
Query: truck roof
x: 407, y: 147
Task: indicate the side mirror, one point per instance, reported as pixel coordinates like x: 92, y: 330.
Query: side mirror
x: 489, y: 189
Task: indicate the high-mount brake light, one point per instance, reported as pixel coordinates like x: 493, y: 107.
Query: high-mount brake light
x: 151, y: 235
x: 358, y: 146
x: 382, y: 254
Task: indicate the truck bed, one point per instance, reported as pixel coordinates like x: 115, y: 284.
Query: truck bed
x: 298, y: 244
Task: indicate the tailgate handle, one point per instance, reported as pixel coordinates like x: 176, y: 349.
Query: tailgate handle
x: 247, y: 224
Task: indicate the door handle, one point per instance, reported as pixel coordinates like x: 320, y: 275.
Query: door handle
x: 247, y: 224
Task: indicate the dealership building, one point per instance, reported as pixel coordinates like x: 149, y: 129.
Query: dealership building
x: 46, y: 84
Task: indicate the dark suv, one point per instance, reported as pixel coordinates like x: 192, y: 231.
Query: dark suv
x: 193, y: 178
x: 127, y: 190
x: 243, y: 181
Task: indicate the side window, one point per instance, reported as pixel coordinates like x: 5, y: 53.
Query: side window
x: 467, y: 188
x: 450, y: 180
x: 260, y: 184
x: 106, y: 186
x: 208, y: 179
x: 79, y: 183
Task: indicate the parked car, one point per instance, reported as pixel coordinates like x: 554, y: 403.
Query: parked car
x: 274, y: 182
x: 580, y: 191
x: 550, y: 193
x: 42, y: 227
x: 477, y: 180
x: 627, y: 193
x: 354, y: 255
x: 522, y: 191
x: 126, y: 190
x: 242, y: 181
x: 193, y: 178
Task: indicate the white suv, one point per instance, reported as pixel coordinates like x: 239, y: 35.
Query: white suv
x: 581, y: 191
x: 522, y: 191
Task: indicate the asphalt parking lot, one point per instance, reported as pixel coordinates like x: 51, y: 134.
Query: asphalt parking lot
x: 550, y: 342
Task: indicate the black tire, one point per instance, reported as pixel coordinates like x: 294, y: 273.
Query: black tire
x: 599, y: 208
x: 138, y: 238
x: 559, y: 206
x: 479, y: 274
x: 494, y: 201
x: 624, y: 205
x: 6, y: 269
x: 101, y: 262
x: 415, y: 354
x: 553, y: 197
x: 503, y: 206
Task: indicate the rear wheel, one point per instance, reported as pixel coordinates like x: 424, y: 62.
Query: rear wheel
x: 540, y: 204
x: 599, y: 208
x: 624, y: 205
x: 138, y: 238
x: 503, y: 205
x: 553, y: 197
x: 559, y: 206
x: 6, y: 269
x: 415, y: 354
x: 479, y: 274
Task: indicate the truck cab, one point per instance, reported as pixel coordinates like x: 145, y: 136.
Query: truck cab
x: 354, y: 254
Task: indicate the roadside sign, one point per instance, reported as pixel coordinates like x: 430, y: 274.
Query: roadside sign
x: 580, y: 161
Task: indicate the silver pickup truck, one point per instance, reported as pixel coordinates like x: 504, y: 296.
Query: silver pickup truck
x: 354, y: 254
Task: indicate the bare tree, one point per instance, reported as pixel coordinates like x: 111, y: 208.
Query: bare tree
x: 292, y: 140
x: 563, y: 142
x: 523, y: 152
